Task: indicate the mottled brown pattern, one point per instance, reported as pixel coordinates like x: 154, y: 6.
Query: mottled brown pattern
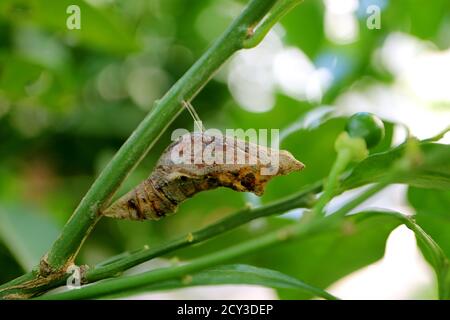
x: 171, y: 183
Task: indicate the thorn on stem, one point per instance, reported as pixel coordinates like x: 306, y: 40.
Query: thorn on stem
x: 250, y: 32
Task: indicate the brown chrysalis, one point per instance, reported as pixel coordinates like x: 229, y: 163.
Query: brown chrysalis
x: 197, y: 162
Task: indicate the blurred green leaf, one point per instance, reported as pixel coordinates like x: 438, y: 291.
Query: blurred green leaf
x: 418, y: 17
x: 238, y: 275
x: 319, y: 259
x: 8, y: 265
x: 433, y: 172
x: 26, y: 234
x: 304, y: 27
x: 16, y: 75
x: 100, y: 28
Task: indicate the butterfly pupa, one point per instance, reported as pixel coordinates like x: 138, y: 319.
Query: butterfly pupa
x: 173, y: 180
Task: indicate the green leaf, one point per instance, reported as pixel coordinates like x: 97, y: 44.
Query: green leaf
x: 433, y: 172
x: 319, y: 259
x: 238, y: 274
x: 27, y: 234
x: 433, y: 215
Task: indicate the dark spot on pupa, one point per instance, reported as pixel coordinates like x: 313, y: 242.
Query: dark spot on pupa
x: 157, y: 210
x: 212, y: 181
x: 160, y: 213
x: 132, y: 204
x: 232, y: 186
x: 248, y: 181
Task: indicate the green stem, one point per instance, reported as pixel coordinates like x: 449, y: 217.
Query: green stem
x: 299, y: 200
x: 66, y: 247
x: 117, y: 265
x: 439, y: 136
x: 365, y: 195
x: 343, y: 158
x: 9, y: 286
x: 134, y: 281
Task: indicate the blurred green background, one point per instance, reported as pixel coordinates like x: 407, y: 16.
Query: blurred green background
x: 70, y: 98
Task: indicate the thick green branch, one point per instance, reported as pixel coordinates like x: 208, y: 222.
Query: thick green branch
x: 130, y: 282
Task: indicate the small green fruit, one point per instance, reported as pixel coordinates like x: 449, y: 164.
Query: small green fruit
x: 367, y: 126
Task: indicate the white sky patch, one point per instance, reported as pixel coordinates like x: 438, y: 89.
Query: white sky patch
x: 222, y: 292
x: 341, y: 6
x: 419, y: 67
x: 297, y: 76
x: 419, y: 96
x: 401, y: 274
x: 400, y: 51
x: 392, y: 197
x: 250, y: 78
x: 446, y: 138
x: 254, y: 76
x: 292, y: 69
x: 341, y: 24
x: 429, y: 77
x: 393, y: 103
